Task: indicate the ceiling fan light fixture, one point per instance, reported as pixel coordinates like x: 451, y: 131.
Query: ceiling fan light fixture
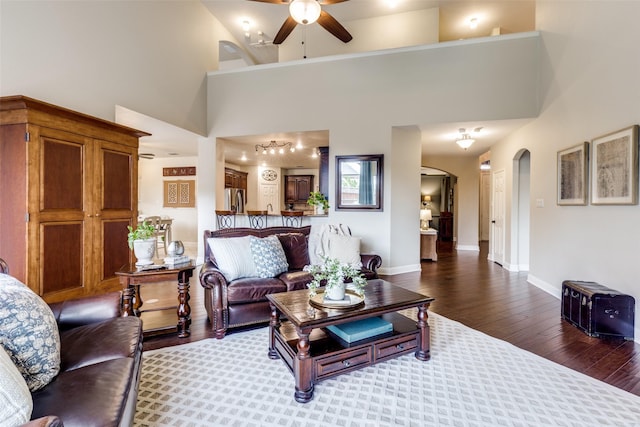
x: 305, y: 12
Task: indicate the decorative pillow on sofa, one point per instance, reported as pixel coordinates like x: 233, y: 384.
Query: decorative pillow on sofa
x: 16, y: 403
x: 233, y: 256
x: 345, y: 248
x: 296, y: 248
x: 28, y: 333
x: 268, y: 256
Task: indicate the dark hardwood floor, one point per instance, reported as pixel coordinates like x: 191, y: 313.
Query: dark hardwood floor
x: 482, y: 295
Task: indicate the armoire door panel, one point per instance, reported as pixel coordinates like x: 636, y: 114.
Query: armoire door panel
x: 116, y: 252
x: 116, y: 180
x: 61, y: 179
x: 62, y: 257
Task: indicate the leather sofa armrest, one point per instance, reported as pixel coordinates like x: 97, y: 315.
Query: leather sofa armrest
x: 83, y: 311
x: 211, y: 276
x: 371, y: 262
x: 48, y: 421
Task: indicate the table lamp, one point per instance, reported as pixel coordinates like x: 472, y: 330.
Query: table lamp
x: 425, y: 217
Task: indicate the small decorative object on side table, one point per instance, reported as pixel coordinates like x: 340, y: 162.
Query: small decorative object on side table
x: 143, y: 242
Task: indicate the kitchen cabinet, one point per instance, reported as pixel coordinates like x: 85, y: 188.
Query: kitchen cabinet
x: 70, y: 191
x: 235, y: 179
x: 297, y: 188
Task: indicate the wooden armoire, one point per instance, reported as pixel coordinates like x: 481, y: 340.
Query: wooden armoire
x: 68, y: 191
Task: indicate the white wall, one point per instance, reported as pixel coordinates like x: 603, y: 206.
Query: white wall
x: 383, y: 32
x: 590, y: 86
x: 360, y: 98
x: 150, y: 57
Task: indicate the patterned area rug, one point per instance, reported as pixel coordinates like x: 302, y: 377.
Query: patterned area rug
x: 472, y: 379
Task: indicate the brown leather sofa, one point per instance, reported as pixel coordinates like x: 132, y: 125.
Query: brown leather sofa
x: 243, y: 302
x: 100, y: 366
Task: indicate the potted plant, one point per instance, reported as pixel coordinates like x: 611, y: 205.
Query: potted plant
x: 332, y: 273
x: 317, y: 200
x: 142, y: 240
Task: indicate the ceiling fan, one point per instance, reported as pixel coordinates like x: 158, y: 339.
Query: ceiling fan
x: 307, y: 12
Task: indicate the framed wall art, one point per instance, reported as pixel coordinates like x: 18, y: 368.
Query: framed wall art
x: 614, y: 168
x: 180, y: 194
x: 572, y: 175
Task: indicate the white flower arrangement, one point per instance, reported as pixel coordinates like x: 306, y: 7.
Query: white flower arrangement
x: 333, y: 272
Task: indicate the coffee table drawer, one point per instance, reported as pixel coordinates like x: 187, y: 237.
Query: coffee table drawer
x: 396, y: 346
x: 342, y: 362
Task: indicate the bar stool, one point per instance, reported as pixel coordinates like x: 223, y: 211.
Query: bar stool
x: 226, y: 219
x: 257, y: 219
x: 292, y: 218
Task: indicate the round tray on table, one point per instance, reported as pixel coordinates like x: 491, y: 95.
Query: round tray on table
x: 355, y: 300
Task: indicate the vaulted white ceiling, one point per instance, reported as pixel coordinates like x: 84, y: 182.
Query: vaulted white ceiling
x: 265, y: 18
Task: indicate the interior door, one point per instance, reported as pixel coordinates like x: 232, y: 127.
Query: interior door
x: 496, y: 241
x: 269, y: 196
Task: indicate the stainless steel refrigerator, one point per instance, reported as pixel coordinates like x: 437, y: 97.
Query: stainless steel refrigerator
x: 234, y: 199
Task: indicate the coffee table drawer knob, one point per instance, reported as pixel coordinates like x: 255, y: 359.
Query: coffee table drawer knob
x: 346, y: 363
x: 400, y: 347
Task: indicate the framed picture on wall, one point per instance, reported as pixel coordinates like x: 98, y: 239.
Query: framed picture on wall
x: 572, y: 175
x: 614, y: 168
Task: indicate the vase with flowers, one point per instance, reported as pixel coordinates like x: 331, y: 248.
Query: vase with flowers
x: 332, y: 274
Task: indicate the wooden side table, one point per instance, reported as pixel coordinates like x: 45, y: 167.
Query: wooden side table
x: 131, y: 277
x: 428, y: 240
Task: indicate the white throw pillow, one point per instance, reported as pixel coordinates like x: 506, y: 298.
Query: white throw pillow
x: 28, y: 332
x: 16, y: 403
x: 345, y: 249
x: 268, y: 256
x: 233, y: 256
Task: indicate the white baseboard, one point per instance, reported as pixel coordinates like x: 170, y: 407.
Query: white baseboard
x: 547, y: 287
x: 390, y: 271
x: 468, y: 248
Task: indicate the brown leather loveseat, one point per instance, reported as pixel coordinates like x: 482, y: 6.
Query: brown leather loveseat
x: 243, y: 302
x: 100, y: 355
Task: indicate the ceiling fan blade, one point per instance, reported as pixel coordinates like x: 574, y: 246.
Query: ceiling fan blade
x: 273, y: 1
x: 330, y: 24
x: 323, y: 2
x: 285, y: 30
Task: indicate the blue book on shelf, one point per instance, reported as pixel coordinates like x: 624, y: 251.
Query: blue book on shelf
x: 361, y: 329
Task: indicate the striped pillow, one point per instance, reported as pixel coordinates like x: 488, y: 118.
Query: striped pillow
x: 233, y: 257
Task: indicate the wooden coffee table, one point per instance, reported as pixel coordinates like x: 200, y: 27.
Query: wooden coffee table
x: 312, y: 354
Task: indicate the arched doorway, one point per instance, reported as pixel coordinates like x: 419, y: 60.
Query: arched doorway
x: 437, y: 194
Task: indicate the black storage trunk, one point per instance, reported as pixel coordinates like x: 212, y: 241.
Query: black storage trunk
x: 598, y: 310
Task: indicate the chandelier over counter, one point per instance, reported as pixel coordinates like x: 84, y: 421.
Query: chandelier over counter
x: 274, y: 147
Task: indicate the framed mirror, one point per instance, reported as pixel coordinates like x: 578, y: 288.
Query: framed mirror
x: 359, y: 182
